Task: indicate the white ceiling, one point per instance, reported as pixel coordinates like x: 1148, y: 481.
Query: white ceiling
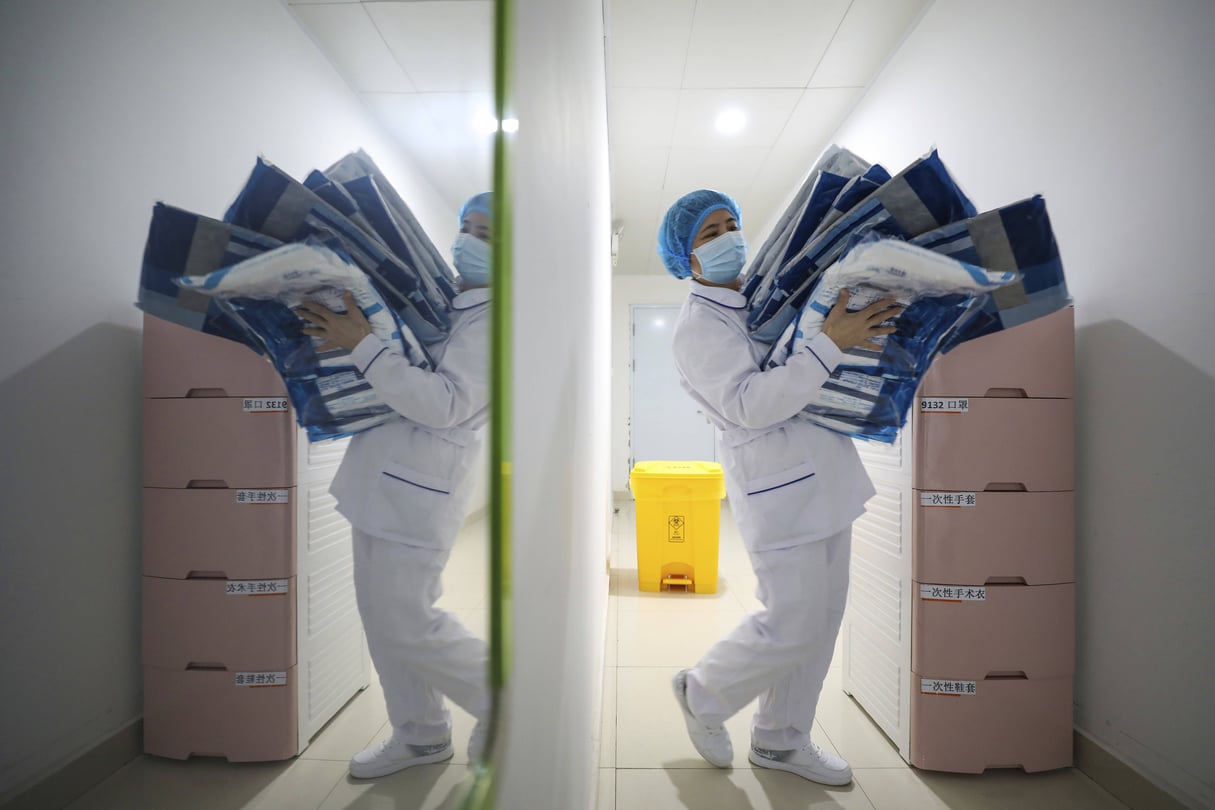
x: 794, y: 67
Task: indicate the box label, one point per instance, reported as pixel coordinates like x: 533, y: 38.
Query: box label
x: 257, y: 587
x: 265, y: 404
x: 263, y: 496
x: 944, y: 405
x: 930, y: 686
x: 676, y: 526
x: 953, y: 593
x: 954, y: 499
x: 261, y: 679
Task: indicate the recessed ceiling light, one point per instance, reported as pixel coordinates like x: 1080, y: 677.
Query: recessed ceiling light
x: 731, y: 121
x: 510, y: 125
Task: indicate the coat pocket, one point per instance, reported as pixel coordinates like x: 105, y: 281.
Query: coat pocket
x: 777, y: 481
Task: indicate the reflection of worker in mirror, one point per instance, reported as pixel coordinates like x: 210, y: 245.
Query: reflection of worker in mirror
x: 794, y: 490
x: 404, y: 486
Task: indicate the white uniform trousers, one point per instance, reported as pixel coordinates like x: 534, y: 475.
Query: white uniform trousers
x: 420, y: 651
x: 782, y: 653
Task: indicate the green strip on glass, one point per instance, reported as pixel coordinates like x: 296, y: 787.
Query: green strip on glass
x: 482, y: 794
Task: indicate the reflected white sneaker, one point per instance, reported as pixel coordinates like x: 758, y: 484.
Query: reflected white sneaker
x: 811, y: 763
x: 394, y: 754
x: 476, y: 742
x: 712, y: 743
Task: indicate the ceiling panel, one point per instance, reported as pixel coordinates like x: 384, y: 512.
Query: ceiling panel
x: 870, y: 32
x: 731, y: 171
x: 648, y: 42
x: 424, y: 68
x: 354, y: 45
x: 772, y: 43
x: 767, y: 113
x: 410, y: 120
x: 442, y: 46
x: 642, y: 116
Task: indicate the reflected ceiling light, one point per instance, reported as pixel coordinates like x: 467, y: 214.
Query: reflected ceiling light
x: 731, y: 121
x: 488, y: 125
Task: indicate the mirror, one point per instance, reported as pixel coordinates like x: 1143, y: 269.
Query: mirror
x: 424, y: 70
x: 116, y: 107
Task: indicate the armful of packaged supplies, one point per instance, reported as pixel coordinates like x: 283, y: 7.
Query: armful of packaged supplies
x: 330, y: 396
x: 869, y: 393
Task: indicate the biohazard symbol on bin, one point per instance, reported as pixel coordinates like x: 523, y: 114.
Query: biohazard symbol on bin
x: 675, y: 528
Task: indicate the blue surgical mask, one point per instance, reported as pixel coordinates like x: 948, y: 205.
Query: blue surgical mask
x: 471, y: 258
x: 722, y: 259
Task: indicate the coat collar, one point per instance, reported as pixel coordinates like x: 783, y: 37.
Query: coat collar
x: 731, y: 299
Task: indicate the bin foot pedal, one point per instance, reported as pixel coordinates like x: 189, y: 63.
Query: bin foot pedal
x: 680, y: 581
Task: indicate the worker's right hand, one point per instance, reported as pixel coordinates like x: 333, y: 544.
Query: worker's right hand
x: 847, y: 329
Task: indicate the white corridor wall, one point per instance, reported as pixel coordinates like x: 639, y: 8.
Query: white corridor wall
x: 1106, y: 107
x: 108, y: 107
x: 561, y: 355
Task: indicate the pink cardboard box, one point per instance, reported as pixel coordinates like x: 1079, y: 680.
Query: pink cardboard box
x: 222, y: 533
x: 977, y: 631
x: 211, y: 623
x: 218, y: 443
x: 967, y: 726
x: 241, y: 716
x: 181, y: 362
x: 1037, y: 359
x: 1004, y: 535
x: 995, y: 443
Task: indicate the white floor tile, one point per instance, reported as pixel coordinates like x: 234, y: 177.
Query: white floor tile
x: 738, y: 789
x: 152, y: 783
x: 465, y: 589
x: 352, y: 729
x: 427, y: 787
x: 611, y: 652
x: 854, y: 735
x: 673, y: 639
x: 606, y: 799
x: 607, y: 732
x: 911, y: 789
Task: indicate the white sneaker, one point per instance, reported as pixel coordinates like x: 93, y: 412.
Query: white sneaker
x: 712, y: 743
x: 476, y: 742
x: 394, y: 754
x: 811, y: 763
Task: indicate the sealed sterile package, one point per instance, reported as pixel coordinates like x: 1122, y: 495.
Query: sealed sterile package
x: 274, y: 204
x: 180, y: 244
x: 330, y: 397
x: 870, y: 391
x: 1016, y: 237
x: 921, y: 198
x: 831, y: 173
x: 394, y: 222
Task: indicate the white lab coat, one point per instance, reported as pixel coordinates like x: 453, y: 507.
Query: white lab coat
x: 404, y: 486
x: 794, y: 489
x: 408, y: 480
x: 789, y: 481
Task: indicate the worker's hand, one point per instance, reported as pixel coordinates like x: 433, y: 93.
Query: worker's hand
x: 338, y: 329
x: 847, y: 329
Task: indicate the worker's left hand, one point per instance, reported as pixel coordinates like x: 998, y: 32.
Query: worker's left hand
x: 337, y: 329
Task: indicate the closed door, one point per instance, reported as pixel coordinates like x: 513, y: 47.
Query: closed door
x: 665, y: 424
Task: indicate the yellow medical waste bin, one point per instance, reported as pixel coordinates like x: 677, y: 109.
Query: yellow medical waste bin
x: 678, y: 523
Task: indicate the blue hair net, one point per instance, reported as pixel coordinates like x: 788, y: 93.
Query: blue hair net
x: 683, y: 220
x: 477, y: 202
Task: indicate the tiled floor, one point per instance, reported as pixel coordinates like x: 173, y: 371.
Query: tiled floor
x: 317, y: 779
x: 647, y: 762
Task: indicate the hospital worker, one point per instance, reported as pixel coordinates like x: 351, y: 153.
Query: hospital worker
x: 404, y: 487
x: 794, y: 488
